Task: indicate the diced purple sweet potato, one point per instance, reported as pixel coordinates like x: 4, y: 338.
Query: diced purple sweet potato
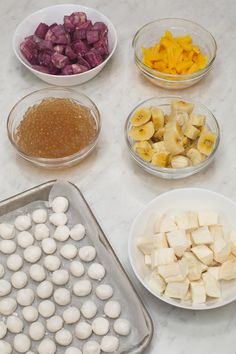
x: 102, y: 47
x: 101, y: 27
x: 41, y: 30
x: 44, y: 59
x: 93, y: 57
x: 92, y: 36
x: 79, y: 34
x: 78, y: 69
x: 70, y: 53
x: 59, y: 48
x: 43, y: 69
x: 53, y: 70
x: 61, y: 36
x: 82, y: 61
x: 59, y: 60
x: 45, y: 45
x: 50, y: 36
x: 78, y: 17
x: 29, y: 52
x: 80, y: 47
x: 30, y: 42
x: 68, y: 25
x: 67, y: 70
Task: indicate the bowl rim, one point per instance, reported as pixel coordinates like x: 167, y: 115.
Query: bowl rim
x: 170, y: 77
x: 59, y: 160
x: 167, y: 170
x: 28, y: 66
x: 162, y: 297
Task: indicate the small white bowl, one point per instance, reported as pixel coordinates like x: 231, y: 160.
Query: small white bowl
x: 177, y: 200
x: 53, y: 14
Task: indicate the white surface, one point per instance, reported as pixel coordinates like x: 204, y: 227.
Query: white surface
x: 53, y: 14
x: 195, y: 199
x: 114, y: 186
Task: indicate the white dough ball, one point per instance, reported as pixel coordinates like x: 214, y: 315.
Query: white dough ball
x: 36, y: 330
x: 25, y: 297
x: 45, y: 289
x: 39, y: 216
x: 37, y: 272
x: 19, y: 280
x: 22, y: 343
x: 32, y: 254
x: 3, y: 329
x: 122, y: 326
x: 87, y: 253
x: 71, y: 315
x: 104, y: 291
x: 14, y: 262
x: 60, y: 205
x: 58, y: 219
x: 109, y: 344
x: 62, y: 296
x: 5, y: 287
x: 77, y: 232
x: 63, y: 337
x: 100, y: 326
x: 14, y: 324
x: 30, y: 313
x: 5, y: 347
x: 2, y: 271
x: 73, y: 350
x: 68, y: 251
x: 62, y: 233
x: 7, y: 246
x: 41, y: 231
x: 52, y: 263
x: 49, y: 245
x: 91, y: 347
x: 23, y: 222
x: 7, y: 306
x: 25, y: 239
x: 46, y: 308
x: 112, y: 309
x: 96, y: 271
x: 88, y: 309
x: 47, y: 346
x: 82, y: 288
x: 54, y: 324
x: 6, y: 231
x: 60, y: 277
x: 76, y: 268
x: 83, y: 330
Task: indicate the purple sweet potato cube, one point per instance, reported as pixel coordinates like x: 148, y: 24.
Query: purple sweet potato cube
x: 92, y: 36
x: 45, y: 45
x: 102, y: 47
x: 78, y: 17
x: 41, y: 30
x: 67, y: 70
x: 44, y: 59
x: 80, y: 47
x: 59, y: 60
x: 59, y: 48
x: 93, y: 57
x: 69, y: 52
x: 68, y: 25
x: 78, y: 69
x: 82, y: 61
x: 101, y: 27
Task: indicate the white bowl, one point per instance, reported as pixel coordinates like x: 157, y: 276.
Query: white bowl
x: 177, y: 200
x: 53, y: 14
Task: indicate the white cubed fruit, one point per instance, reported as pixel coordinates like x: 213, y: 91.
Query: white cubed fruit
x: 203, y: 253
x: 162, y: 256
x: 198, y: 292
x: 216, y: 231
x: 178, y: 241
x: 221, y: 249
x: 195, y: 267
x: 177, y: 290
x: 207, y: 218
x: 228, y: 270
x: 187, y: 220
x: 167, y: 224
x: 212, y: 285
x: 156, y: 282
x: 202, y: 236
x: 215, y: 271
x: 172, y: 272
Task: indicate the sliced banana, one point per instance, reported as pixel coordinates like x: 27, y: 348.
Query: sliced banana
x: 157, y: 117
x: 161, y: 159
x: 144, y: 150
x: 179, y: 161
x: 173, y: 138
x: 141, y: 117
x: 206, y: 141
x: 190, y: 131
x: 142, y: 133
x: 182, y: 106
x: 195, y: 156
x: 197, y: 119
x: 159, y: 134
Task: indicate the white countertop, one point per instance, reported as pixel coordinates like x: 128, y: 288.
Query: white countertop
x: 115, y: 187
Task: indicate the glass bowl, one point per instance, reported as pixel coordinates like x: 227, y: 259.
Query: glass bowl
x: 18, y: 111
x: 173, y: 173
x: 150, y: 34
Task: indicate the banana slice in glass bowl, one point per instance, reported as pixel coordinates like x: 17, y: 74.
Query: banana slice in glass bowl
x: 172, y: 137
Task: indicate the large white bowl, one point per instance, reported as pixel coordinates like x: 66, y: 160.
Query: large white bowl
x: 177, y: 200
x: 53, y: 14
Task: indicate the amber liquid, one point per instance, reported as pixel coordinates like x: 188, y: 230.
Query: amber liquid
x: 56, y: 127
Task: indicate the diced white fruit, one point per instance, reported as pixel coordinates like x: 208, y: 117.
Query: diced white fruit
x: 195, y: 267
x: 147, y: 260
x: 203, y: 253
x: 167, y: 224
x: 161, y: 240
x: 186, y: 221
x: 207, y: 218
x: 198, y: 292
x: 216, y: 231
x: 162, y: 256
x: 232, y: 238
x: 202, y: 236
x: 221, y: 249
x: 178, y: 241
x: 188, y: 296
x: 172, y: 272
x: 228, y: 270
x: 156, y: 282
x: 215, y: 272
x: 183, y: 267
x: 177, y: 290
x: 212, y: 285
x: 147, y: 244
